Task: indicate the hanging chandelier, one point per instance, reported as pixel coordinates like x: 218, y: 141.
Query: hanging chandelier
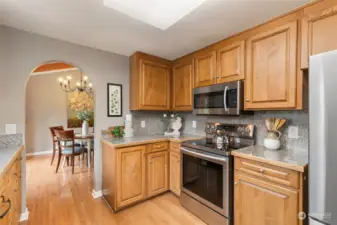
x: 84, y: 85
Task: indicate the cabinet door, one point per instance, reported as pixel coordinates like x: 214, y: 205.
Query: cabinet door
x: 157, y: 173
x: 271, y: 69
x: 175, y: 172
x: 17, y: 191
x: 205, y: 69
x: 154, y: 86
x: 130, y: 166
x: 319, y: 34
x: 231, y: 63
x: 261, y: 203
x: 4, y: 206
x: 182, y: 86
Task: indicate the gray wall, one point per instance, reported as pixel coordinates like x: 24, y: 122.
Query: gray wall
x: 157, y: 124
x: 21, y: 52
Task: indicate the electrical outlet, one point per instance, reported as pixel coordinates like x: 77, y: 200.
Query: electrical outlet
x: 194, y: 124
x: 293, y: 132
x: 142, y: 124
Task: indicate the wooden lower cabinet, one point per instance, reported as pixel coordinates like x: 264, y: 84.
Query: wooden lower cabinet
x: 157, y: 173
x: 10, y: 193
x: 267, y: 194
x: 130, y: 175
x: 262, y: 203
x: 133, y: 174
x: 175, y: 172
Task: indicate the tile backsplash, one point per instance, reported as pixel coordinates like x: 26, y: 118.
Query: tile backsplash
x: 156, y: 123
x: 10, y: 139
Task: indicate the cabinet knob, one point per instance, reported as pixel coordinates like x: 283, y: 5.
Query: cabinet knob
x: 213, y: 78
x: 235, y: 183
x: 150, y: 161
x: 217, y: 77
x: 262, y: 170
x: 247, y: 99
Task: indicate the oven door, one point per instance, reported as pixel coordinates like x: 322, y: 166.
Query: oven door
x: 219, y: 99
x: 205, y: 177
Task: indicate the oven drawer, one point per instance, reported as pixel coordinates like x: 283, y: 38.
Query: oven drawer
x: 159, y: 146
x: 269, y: 172
x: 174, y: 147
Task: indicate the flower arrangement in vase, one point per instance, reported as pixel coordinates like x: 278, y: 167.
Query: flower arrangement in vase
x: 83, y: 104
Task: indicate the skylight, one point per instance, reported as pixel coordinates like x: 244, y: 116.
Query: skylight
x: 158, y: 13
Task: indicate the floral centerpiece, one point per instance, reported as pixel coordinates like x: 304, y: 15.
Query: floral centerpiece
x: 83, y: 104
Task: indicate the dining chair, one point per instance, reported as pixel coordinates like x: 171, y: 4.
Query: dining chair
x: 54, y: 140
x: 66, y: 147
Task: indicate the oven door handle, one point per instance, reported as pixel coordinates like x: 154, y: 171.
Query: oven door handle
x: 225, y: 98
x: 219, y: 159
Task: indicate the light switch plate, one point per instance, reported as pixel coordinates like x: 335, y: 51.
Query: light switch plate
x: 10, y: 128
x: 143, y: 124
x: 293, y: 132
x: 194, y: 124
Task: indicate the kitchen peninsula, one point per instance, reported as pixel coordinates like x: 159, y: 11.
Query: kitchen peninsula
x: 10, y: 184
x: 138, y: 168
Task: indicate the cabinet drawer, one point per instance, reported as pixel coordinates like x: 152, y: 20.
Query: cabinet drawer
x: 175, y: 147
x: 272, y: 173
x: 157, y: 147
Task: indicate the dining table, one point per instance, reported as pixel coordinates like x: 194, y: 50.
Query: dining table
x: 86, y: 138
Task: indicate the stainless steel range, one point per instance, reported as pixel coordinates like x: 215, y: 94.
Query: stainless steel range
x: 207, y: 171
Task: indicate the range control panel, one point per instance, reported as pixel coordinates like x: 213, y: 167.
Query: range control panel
x: 238, y: 130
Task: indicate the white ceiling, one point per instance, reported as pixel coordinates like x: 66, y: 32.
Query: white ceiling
x: 89, y: 23
x: 158, y: 13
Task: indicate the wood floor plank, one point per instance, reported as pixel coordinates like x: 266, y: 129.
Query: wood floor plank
x: 65, y: 199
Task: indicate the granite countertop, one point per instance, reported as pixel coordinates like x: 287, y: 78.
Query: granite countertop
x: 147, y: 139
x: 7, y: 156
x: 294, y: 160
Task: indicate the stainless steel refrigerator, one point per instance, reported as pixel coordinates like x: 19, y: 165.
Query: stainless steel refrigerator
x: 323, y: 139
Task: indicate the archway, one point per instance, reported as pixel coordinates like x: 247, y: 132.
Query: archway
x: 47, y: 104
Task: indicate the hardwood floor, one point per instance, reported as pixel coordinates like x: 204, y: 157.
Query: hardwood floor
x: 65, y: 199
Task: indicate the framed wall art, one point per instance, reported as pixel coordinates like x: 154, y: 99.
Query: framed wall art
x: 115, y: 105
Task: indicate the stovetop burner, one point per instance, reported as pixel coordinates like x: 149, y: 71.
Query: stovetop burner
x: 203, y: 145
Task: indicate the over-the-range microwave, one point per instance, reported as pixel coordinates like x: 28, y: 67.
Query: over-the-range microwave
x: 219, y: 99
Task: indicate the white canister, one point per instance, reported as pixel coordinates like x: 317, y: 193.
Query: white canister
x: 272, y: 140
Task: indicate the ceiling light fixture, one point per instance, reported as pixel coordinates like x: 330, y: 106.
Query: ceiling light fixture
x: 84, y: 85
x: 158, y: 13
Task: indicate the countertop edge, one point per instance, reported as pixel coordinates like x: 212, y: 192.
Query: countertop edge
x: 154, y: 140
x: 271, y: 162
x: 11, y: 161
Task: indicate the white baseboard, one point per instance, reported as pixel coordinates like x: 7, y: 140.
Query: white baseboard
x: 97, y: 194
x: 39, y: 153
x: 24, y: 216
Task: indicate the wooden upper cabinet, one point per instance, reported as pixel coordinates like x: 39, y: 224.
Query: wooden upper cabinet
x: 271, y: 69
x: 155, y: 85
x: 231, y: 62
x: 182, y: 85
x: 205, y: 68
x: 149, y: 82
x: 319, y: 34
x: 157, y: 173
x: 257, y: 202
x: 130, y: 175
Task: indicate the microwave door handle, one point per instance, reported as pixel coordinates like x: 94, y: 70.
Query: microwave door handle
x: 225, y: 98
